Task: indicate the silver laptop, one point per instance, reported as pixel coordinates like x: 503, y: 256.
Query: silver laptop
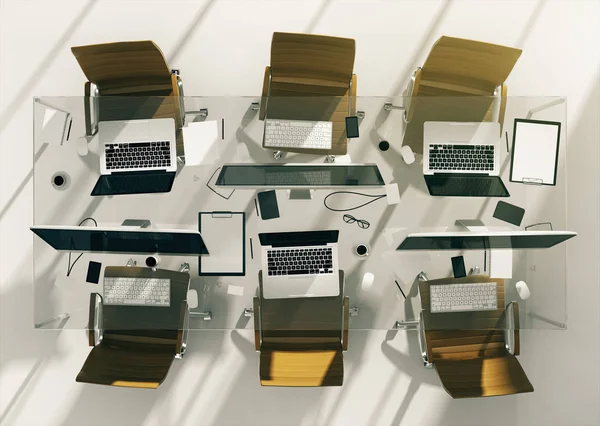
x: 300, y: 264
x: 462, y: 159
x: 137, y: 145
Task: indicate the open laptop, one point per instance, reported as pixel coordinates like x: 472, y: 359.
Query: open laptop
x: 462, y: 159
x: 300, y: 264
x: 136, y: 156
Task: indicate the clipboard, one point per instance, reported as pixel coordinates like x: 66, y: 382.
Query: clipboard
x: 224, y: 234
x: 534, y: 155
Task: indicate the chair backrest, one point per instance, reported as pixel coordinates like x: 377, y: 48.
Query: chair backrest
x: 312, y: 59
x: 457, y: 67
x: 301, y: 340
x: 146, y: 324
x: 311, y: 323
x: 462, y: 67
x: 464, y: 335
x: 125, y: 68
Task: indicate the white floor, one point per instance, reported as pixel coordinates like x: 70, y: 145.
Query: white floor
x: 221, y: 48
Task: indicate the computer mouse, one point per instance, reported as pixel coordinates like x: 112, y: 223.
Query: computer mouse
x: 407, y: 154
x: 523, y: 290
x: 192, y: 299
x: 367, y: 281
x: 82, y: 146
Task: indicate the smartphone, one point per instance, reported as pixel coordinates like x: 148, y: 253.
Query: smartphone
x: 509, y: 213
x: 352, y: 127
x: 93, y: 272
x: 458, y: 267
x: 267, y: 202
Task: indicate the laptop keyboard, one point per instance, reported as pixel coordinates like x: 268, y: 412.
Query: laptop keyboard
x: 461, y: 157
x: 138, y: 155
x: 300, y: 261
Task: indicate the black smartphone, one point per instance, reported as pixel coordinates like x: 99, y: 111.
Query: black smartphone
x: 352, y: 127
x: 93, y: 272
x: 509, y: 213
x: 458, y: 267
x: 267, y: 202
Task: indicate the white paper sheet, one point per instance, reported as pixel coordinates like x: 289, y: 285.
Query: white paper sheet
x: 200, y: 142
x: 224, y: 234
x: 501, y: 263
x: 535, y: 151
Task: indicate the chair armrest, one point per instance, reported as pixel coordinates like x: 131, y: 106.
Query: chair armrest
x: 257, y: 333
x: 264, y: 99
x: 345, y: 323
x: 182, y: 330
x: 352, y: 96
x: 411, y: 91
x: 511, y: 337
x: 95, y: 319
x: 423, y: 340
x: 503, y: 95
x: 179, y: 102
x: 91, y: 108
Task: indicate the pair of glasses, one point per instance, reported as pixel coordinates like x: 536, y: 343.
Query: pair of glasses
x: 348, y: 218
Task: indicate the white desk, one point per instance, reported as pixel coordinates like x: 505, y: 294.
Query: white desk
x: 381, y: 305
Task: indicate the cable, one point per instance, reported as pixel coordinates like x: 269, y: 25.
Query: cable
x: 348, y: 218
x: 213, y: 190
x: 70, y: 266
x: 375, y: 198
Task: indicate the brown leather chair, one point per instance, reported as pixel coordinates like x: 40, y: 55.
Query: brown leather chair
x: 472, y: 71
x: 301, y: 340
x: 315, y: 71
x: 474, y: 353
x: 137, y: 74
x: 134, y: 346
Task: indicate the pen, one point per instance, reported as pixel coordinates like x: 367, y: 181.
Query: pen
x: 507, y: 148
x: 256, y: 206
x: 251, y: 251
x: 400, y: 288
x: 222, y: 129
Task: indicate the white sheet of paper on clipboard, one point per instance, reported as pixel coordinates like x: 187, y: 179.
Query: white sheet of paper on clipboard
x: 535, y: 152
x: 224, y: 234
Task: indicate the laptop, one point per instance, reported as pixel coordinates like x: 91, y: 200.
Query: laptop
x: 300, y: 264
x: 462, y: 159
x: 136, y: 156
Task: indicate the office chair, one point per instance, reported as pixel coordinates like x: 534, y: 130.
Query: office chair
x: 301, y: 340
x: 472, y: 70
x: 316, y: 71
x: 474, y: 353
x: 137, y: 73
x: 134, y: 346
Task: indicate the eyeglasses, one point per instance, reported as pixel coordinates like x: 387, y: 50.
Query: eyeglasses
x: 360, y: 222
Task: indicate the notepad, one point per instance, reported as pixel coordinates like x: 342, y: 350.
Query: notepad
x: 224, y: 234
x: 535, y: 152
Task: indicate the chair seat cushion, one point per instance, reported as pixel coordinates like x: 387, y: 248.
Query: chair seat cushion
x: 483, y: 376
x: 127, y: 364
x: 301, y: 368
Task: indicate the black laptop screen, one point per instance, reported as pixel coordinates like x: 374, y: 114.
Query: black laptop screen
x: 293, y: 239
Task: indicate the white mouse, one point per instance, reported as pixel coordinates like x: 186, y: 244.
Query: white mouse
x: 367, y: 281
x: 407, y: 154
x: 192, y: 299
x: 82, y: 146
x: 523, y: 290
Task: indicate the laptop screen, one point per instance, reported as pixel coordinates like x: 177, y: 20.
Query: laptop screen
x: 292, y: 239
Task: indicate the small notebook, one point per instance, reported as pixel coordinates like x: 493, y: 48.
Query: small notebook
x: 535, y: 152
x: 224, y: 234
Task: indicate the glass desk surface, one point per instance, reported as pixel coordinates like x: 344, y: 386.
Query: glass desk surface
x: 60, y: 122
